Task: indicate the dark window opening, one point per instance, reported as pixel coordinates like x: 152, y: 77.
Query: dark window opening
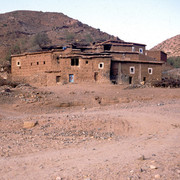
x: 58, y: 79
x: 150, y: 70
x: 18, y: 63
x: 132, y: 70
x: 96, y: 76
x: 86, y: 62
x: 37, y: 63
x: 74, y: 62
x: 130, y: 80
x: 144, y: 79
x: 107, y: 47
x: 31, y: 64
x: 101, y: 65
x: 57, y: 59
x: 44, y: 62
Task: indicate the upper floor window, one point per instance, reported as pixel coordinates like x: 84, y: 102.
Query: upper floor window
x: 101, y: 65
x: 132, y: 70
x: 18, y: 63
x: 107, y: 47
x: 75, y: 62
x: 150, y: 70
x: 133, y: 49
x: 141, y: 50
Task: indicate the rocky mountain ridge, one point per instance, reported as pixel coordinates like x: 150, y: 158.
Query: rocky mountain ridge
x: 170, y: 46
x: 18, y: 29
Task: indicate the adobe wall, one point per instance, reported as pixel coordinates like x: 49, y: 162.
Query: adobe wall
x: 156, y: 72
x: 124, y: 56
x: 84, y: 72
x: 158, y: 55
x: 163, y: 57
x: 141, y: 71
x: 29, y: 64
x: 44, y: 68
x: 137, y: 47
x: 121, y: 48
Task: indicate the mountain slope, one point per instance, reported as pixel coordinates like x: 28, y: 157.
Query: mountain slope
x: 170, y: 46
x: 18, y: 30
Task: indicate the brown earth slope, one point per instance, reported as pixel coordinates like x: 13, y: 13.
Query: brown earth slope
x: 170, y: 46
x: 18, y: 28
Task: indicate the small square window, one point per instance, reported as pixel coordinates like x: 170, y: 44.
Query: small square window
x: 18, y: 63
x: 86, y: 62
x: 75, y: 62
x: 101, y: 65
x: 141, y: 50
x: 44, y: 62
x: 31, y: 64
x: 150, y: 70
x: 37, y: 63
x: 132, y: 70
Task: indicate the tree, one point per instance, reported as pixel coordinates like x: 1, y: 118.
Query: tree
x: 174, y: 61
x: 41, y: 39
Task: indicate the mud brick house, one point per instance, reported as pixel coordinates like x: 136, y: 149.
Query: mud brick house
x: 117, y: 61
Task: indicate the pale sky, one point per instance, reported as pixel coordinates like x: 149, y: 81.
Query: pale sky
x: 142, y: 21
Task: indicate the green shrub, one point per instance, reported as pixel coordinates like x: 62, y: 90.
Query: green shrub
x: 174, y: 61
x: 41, y: 39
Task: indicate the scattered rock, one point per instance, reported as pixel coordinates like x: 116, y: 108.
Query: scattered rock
x: 153, y: 167
x: 132, y: 171
x: 87, y: 179
x: 157, y: 176
x: 142, y: 158
x: 160, y: 104
x: 58, y: 178
x: 178, y: 171
x: 29, y: 124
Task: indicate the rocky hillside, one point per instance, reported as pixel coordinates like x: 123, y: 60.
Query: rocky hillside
x: 171, y: 46
x: 22, y: 31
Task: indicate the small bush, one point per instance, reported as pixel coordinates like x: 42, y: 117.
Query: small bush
x: 41, y: 39
x: 174, y: 61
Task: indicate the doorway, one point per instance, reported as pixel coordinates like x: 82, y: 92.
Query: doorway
x: 130, y: 80
x: 58, y: 79
x: 71, y: 78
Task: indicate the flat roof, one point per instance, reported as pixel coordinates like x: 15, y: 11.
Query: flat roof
x: 138, y: 61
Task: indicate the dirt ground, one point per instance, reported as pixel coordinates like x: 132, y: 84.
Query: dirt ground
x: 89, y: 132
